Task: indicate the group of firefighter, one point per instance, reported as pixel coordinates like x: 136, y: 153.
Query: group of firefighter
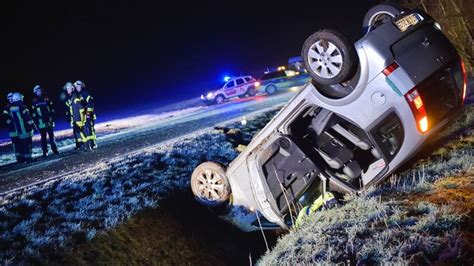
x: 22, y: 122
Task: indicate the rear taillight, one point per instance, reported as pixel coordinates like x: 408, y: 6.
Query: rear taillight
x: 256, y: 84
x: 464, y: 81
x: 388, y: 70
x: 416, y: 104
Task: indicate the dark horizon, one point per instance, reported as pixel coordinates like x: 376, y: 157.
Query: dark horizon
x: 140, y: 54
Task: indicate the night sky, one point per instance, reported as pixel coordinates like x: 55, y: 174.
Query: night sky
x: 141, y: 53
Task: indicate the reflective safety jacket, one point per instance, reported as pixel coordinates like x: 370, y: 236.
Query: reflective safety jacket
x: 325, y: 200
x: 21, y: 119
x: 43, y: 112
x: 9, y: 122
x: 90, y: 112
x: 76, y: 108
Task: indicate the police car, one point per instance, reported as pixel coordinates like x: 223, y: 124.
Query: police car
x: 241, y: 86
x: 271, y: 82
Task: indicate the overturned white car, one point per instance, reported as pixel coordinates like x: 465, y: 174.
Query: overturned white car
x: 369, y: 107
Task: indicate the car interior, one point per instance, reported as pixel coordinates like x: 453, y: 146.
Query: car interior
x: 321, y: 144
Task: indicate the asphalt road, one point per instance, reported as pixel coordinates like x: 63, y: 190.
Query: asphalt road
x: 15, y: 176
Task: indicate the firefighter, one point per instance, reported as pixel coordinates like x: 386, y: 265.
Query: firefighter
x: 76, y: 115
x: 89, y: 130
x: 12, y: 133
x: 69, y: 90
x: 24, y: 125
x: 43, y: 116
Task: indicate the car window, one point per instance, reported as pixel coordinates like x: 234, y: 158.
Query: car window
x: 248, y: 79
x: 230, y: 84
x: 239, y: 82
x: 273, y: 75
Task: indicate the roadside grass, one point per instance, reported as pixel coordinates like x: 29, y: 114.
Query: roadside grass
x: 38, y: 224
x: 397, y: 222
x: 423, y: 215
x: 367, y: 230
x: 150, y: 236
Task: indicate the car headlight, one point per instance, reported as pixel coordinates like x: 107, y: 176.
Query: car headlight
x: 202, y: 97
x: 209, y: 95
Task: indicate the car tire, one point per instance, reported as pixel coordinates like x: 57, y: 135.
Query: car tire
x: 210, y: 184
x: 380, y: 14
x: 270, y: 89
x: 329, y: 57
x: 251, y: 92
x: 219, y: 99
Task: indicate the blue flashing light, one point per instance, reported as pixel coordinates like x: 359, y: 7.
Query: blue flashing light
x: 226, y: 78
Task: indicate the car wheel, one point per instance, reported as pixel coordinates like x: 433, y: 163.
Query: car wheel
x: 251, y: 92
x: 219, y: 99
x: 380, y: 14
x: 329, y: 57
x: 210, y: 185
x: 270, y: 89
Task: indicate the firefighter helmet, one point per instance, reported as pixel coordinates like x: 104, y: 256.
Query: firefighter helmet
x: 36, y: 89
x: 10, y: 97
x: 17, y: 97
x: 79, y: 83
x: 68, y: 85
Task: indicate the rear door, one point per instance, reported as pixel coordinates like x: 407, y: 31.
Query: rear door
x: 277, y: 78
x: 296, y: 79
x: 240, y: 86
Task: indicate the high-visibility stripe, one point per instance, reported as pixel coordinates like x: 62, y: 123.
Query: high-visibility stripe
x: 91, y: 137
x: 90, y: 109
x: 41, y: 123
x: 26, y: 135
x: 83, y: 137
x: 22, y: 125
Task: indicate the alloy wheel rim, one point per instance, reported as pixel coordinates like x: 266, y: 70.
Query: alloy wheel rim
x: 210, y: 185
x: 325, y: 62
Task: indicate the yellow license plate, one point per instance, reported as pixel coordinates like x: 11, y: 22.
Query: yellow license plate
x: 404, y: 23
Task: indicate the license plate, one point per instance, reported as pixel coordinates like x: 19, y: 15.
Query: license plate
x: 404, y: 23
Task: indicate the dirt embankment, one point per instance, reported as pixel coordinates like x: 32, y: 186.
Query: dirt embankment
x: 179, y: 232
